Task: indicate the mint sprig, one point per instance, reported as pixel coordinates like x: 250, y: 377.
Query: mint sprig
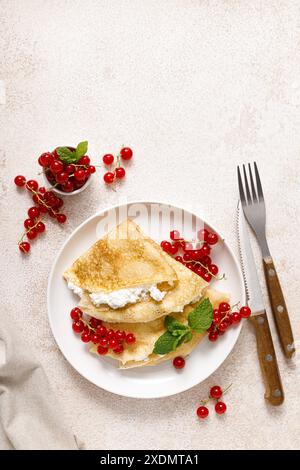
x: 72, y: 156
x: 199, y: 320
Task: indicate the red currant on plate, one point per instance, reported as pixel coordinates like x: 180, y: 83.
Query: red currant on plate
x: 178, y: 362
x: 220, y: 408
x: 126, y: 153
x: 245, y: 312
x: 109, y: 177
x: 78, y: 326
x: 85, y: 337
x: 108, y: 159
x: 76, y: 313
x: 236, y: 317
x: 212, y: 238
x: 102, y: 351
x: 130, y: 338
x: 202, y: 412
x: 20, y: 180
x: 166, y: 246
x: 224, y: 307
x: 119, y: 349
x: 216, y: 392
x: 213, y: 336
x: 24, y: 247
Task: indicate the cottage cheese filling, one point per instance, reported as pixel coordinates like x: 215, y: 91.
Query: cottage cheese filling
x: 120, y: 298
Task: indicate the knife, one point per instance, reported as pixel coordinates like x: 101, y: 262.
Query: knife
x: 274, y: 392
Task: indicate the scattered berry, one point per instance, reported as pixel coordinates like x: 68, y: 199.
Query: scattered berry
x: 108, y: 159
x: 216, y: 392
x: 76, y: 314
x: 24, y: 247
x: 220, y: 408
x: 126, y: 153
x: 109, y: 177
x: 178, y: 362
x: 20, y: 180
x: 202, y: 412
x: 245, y: 312
x: 120, y: 172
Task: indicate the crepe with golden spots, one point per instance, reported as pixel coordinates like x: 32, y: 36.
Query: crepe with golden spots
x: 140, y: 353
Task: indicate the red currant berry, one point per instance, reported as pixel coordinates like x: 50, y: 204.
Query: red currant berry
x: 92, y: 169
x: 31, y: 234
x: 45, y: 159
x: 188, y: 246
x: 126, y: 153
x: 224, y: 325
x: 130, y: 338
x: 85, y: 160
x: 62, y: 177
x: 202, y: 412
x: 179, y: 259
x: 212, y: 238
x: 33, y: 212
x: 174, y: 235
x: 94, y: 322
x: 119, y: 349
x: 110, y: 334
x: 79, y: 175
x: 109, y: 177
x: 24, y: 247
x: 76, y: 314
x: 108, y: 159
x: 196, y: 255
x: 205, y: 249
x: 32, y: 184
x: 29, y: 223
x: 68, y: 187
x: 206, y: 260
x: 216, y: 392
x: 102, y: 351
x: 213, y: 336
x: 199, y: 271
x: 95, y: 338
x: 202, y: 234
x: 78, y: 326
x: 120, y: 335
x: 70, y: 169
x: 217, y: 316
x: 120, y: 172
x: 236, y: 318
x: 166, y: 246
x: 56, y: 166
x: 173, y: 249
x: 61, y: 218
x: 85, y: 337
x: 220, y: 408
x: 40, y: 227
x: 104, y: 342
x: 101, y: 330
x: 187, y: 257
x: 113, y: 343
x: 178, y: 362
x: 20, y: 180
x: 213, y: 269
x: 245, y: 312
x: 224, y: 307
x: 206, y: 276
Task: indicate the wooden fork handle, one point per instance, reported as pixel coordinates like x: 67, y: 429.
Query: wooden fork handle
x: 267, y: 358
x: 279, y: 309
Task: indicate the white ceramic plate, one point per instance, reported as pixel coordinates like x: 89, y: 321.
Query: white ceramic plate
x: 146, y: 382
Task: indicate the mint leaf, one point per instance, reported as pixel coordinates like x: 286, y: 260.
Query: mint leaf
x: 81, y: 149
x: 201, y: 317
x: 173, y: 325
x: 188, y: 336
x: 165, y: 343
x: 185, y: 337
x: 66, y: 155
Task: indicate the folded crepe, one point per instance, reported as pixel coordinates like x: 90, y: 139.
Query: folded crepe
x: 126, y: 258
x: 140, y: 353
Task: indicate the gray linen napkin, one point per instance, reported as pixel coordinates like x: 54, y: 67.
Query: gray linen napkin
x: 30, y: 416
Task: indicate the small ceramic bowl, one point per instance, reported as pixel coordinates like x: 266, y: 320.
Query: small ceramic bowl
x: 63, y: 193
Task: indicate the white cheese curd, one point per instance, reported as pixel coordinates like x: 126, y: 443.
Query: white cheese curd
x: 120, y: 298
x: 76, y: 289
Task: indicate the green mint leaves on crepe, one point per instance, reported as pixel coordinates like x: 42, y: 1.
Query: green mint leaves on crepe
x: 199, y: 320
x: 72, y: 156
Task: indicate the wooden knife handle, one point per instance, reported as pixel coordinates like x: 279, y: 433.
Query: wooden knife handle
x: 279, y: 309
x: 267, y: 358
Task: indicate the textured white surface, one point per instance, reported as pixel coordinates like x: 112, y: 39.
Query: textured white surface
x: 194, y: 87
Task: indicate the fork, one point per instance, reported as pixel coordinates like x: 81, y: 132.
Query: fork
x: 254, y: 208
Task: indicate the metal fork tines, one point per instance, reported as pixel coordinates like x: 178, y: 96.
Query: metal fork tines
x: 252, y: 199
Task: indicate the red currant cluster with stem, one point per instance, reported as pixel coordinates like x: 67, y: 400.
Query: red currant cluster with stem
x: 46, y: 202
x: 118, y: 172
x: 66, y: 177
x: 225, y: 316
x: 215, y: 393
x: 197, y: 258
x: 92, y: 330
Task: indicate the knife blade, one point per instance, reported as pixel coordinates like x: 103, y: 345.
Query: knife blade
x: 266, y: 353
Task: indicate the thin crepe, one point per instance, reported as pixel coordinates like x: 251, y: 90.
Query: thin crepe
x: 140, y: 353
x: 124, y: 258
x: 187, y: 290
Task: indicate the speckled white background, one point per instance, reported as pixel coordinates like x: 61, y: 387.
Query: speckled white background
x: 194, y: 87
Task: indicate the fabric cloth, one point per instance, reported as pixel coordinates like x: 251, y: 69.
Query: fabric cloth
x: 30, y: 416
